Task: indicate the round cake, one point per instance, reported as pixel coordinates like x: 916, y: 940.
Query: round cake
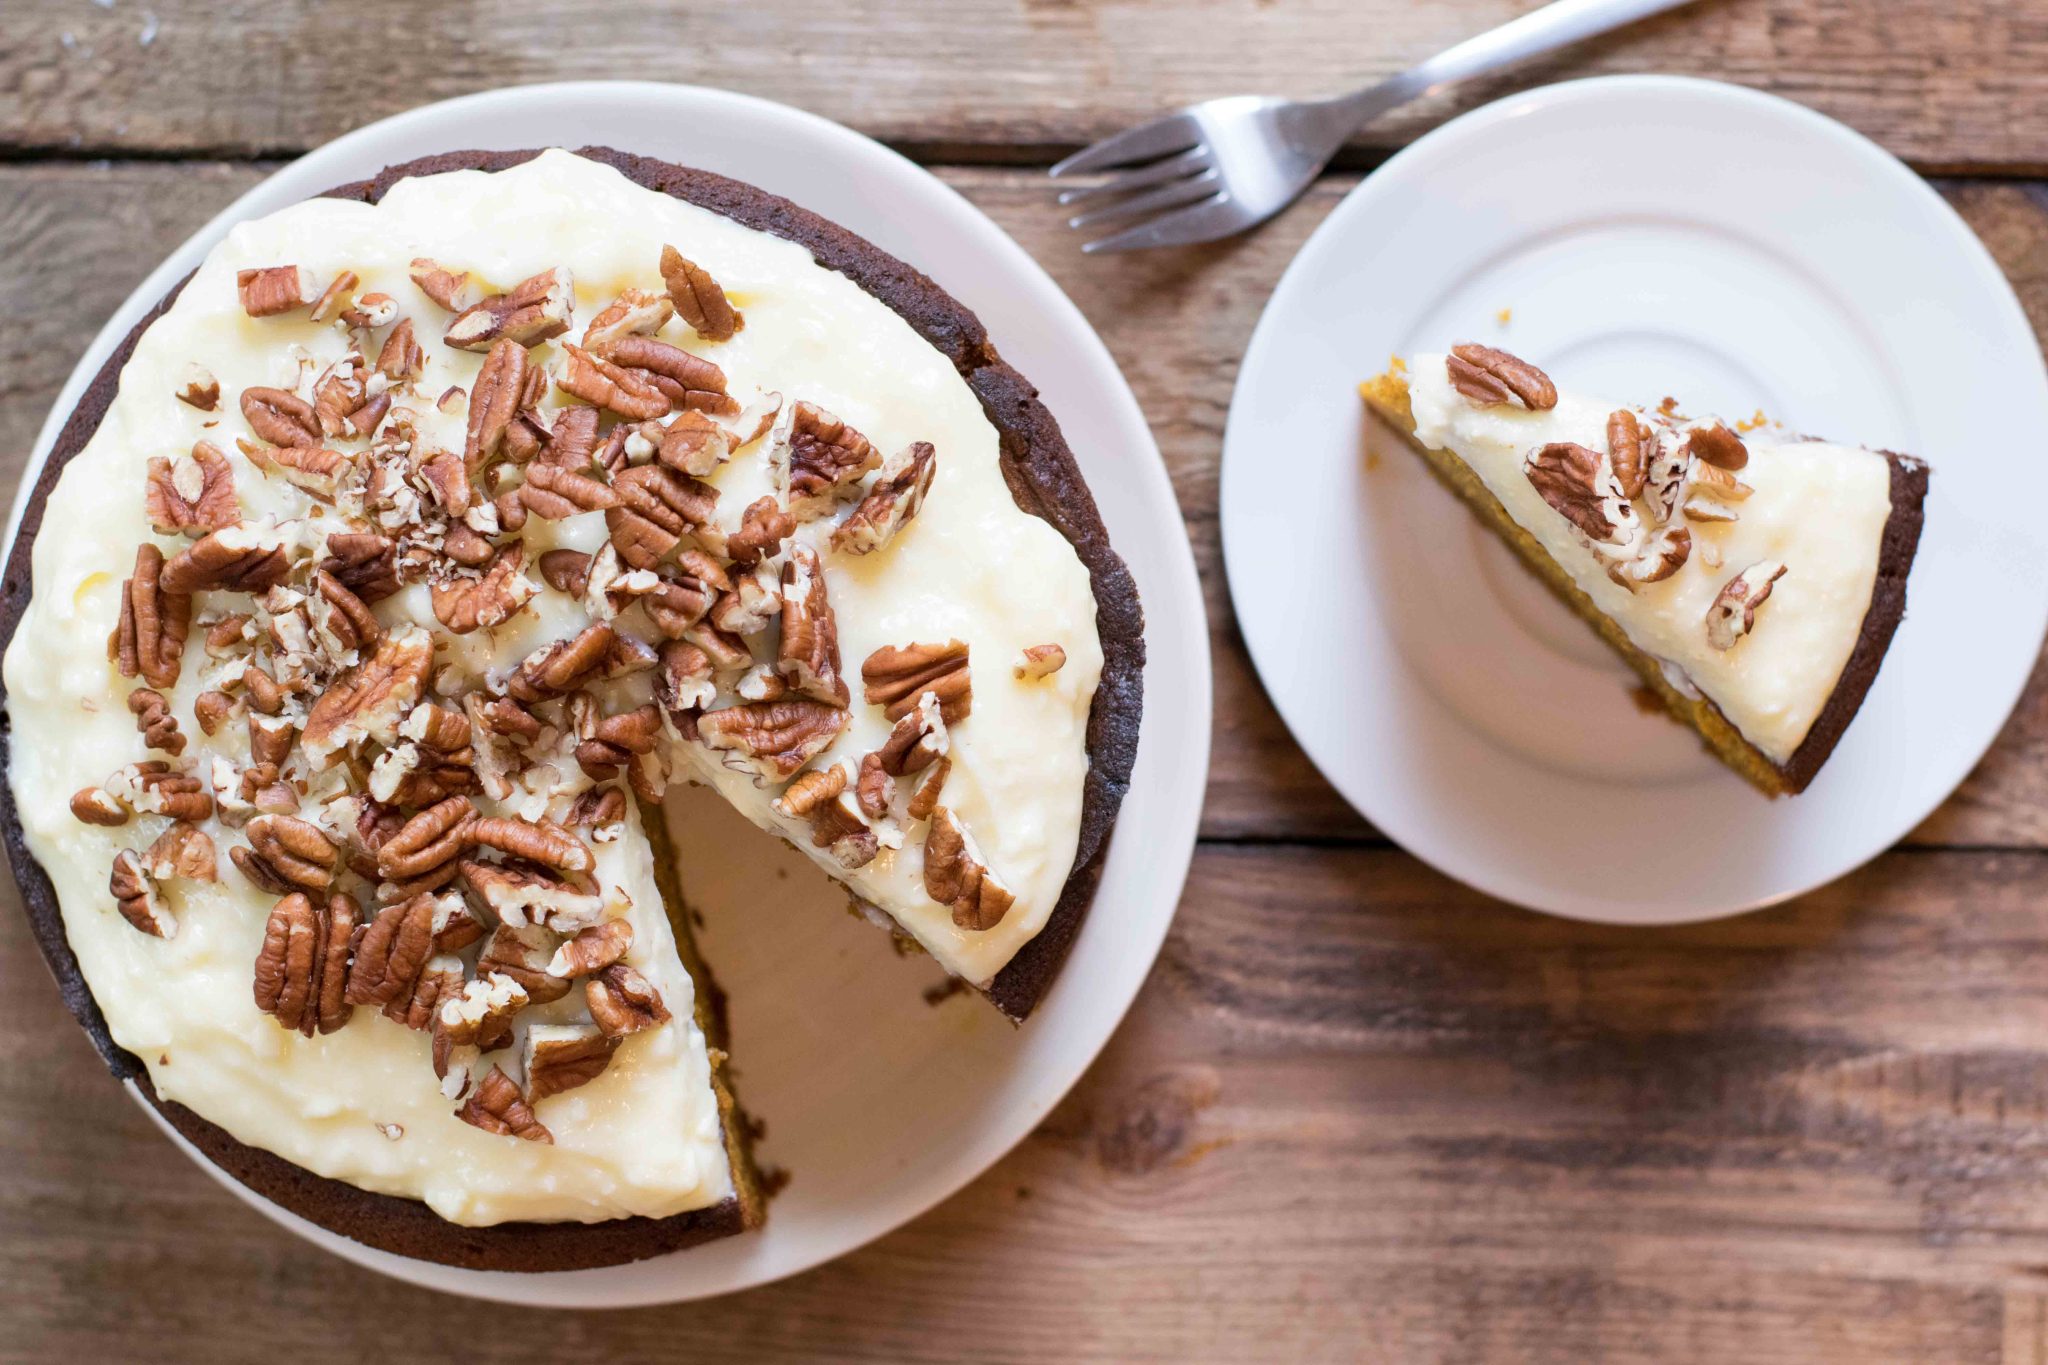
x: 396, y: 565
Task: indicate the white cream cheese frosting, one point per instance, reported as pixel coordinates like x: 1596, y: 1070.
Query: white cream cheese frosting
x: 362, y: 1104
x: 1817, y: 508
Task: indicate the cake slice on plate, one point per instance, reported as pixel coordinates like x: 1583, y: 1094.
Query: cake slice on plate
x: 1754, y: 585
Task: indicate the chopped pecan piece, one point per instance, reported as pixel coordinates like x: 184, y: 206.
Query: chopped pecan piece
x: 925, y: 799
x: 1733, y: 613
x: 563, y: 1056
x: 303, y: 968
x: 875, y: 787
x: 427, y: 852
x: 826, y: 460
x: 363, y: 562
x: 210, y: 708
x: 417, y: 1003
x: 1630, y: 446
x: 656, y: 506
x: 561, y: 667
x: 137, y: 898
x: 393, y: 949
x: 540, y: 841
x: 192, y: 495
x: 200, y: 389
x: 763, y: 527
x: 523, y: 952
x: 479, y: 1015
x: 694, y: 444
x: 839, y: 827
x: 773, y: 739
x: 153, y: 718
x: 629, y: 393
x: 149, y: 640
x: 810, y: 791
x: 1490, y: 377
x: 272, y: 289
x: 280, y: 417
x: 552, y: 492
x: 368, y: 700
x: 1707, y: 491
x: 896, y: 676
x: 597, y: 808
x: 1040, y: 661
x: 1718, y: 446
x: 151, y: 788
x: 401, y: 361
x: 450, y: 289
x: 892, y: 500
x: 635, y: 312
x: 183, y: 850
x: 624, y: 1002
x: 337, y: 297
x: 97, y: 806
x: 287, y: 854
x: 683, y: 598
x: 1662, y: 555
x: 498, y: 1107
x: 698, y: 298
x: 537, y: 309
x: 686, y: 682
x: 809, y: 654
x: 344, y: 617
x: 467, y: 604
x: 749, y: 608
x: 566, y: 570
x: 956, y: 875
x: 918, y: 740
x: 1580, y: 486
x: 239, y: 558
x: 614, y: 741
x: 523, y: 892
x: 455, y: 927
x: 315, y: 469
x: 684, y: 380
x: 592, y: 950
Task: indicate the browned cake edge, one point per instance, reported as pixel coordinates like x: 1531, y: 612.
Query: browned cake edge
x: 1044, y: 479
x: 1387, y: 397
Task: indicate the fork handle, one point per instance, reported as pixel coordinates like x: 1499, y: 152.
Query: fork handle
x: 1556, y: 25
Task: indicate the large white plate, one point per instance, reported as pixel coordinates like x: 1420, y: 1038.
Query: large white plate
x: 1651, y: 236
x: 879, y: 1105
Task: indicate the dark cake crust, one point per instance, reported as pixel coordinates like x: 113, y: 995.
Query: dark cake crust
x: 1044, y: 479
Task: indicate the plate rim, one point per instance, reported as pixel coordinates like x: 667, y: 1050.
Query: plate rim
x: 1441, y: 853
x: 1175, y: 618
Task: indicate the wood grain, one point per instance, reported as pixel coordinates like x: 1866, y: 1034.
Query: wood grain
x: 1177, y: 323
x: 1954, y: 84
x: 1358, y: 1113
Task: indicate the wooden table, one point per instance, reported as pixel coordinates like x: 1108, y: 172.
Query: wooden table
x: 1358, y: 1111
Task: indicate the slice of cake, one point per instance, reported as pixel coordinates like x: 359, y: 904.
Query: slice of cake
x: 397, y: 566
x: 1754, y: 585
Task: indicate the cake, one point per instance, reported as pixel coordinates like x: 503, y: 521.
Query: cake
x: 1752, y: 583
x: 395, y: 567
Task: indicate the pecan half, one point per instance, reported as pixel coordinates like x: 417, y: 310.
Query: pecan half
x: 592, y: 950
x: 553, y: 492
x: 499, y: 1107
x: 523, y: 952
x: 698, y: 298
x: 892, y: 500
x: 521, y: 892
x: 137, y: 898
x: 149, y: 639
x: 656, y: 506
x: 773, y: 739
x: 312, y: 468
x: 344, y: 617
x: 287, y: 854
x: 302, y: 969
x: 538, y: 308
x: 192, y: 495
x: 624, y: 1002
x: 826, y: 460
x: 1718, y: 446
x: 417, y: 1003
x: 280, y: 417
x: 1579, y: 486
x: 392, y: 951
x: 1491, y: 377
x: 369, y: 699
x: 561, y: 667
x: 426, y: 852
x: 684, y: 380
x: 615, y: 740
x: 810, y: 791
x: 1039, y: 661
x: 240, y: 558
x: 563, y: 1056
x: 467, y: 604
x: 536, y: 841
x: 809, y: 652
x: 896, y: 676
x: 629, y: 393
x: 363, y: 562
x: 572, y: 443
x: 1629, y: 447
x: 494, y: 400
x: 269, y: 290
x: 153, y: 718
x: 97, y: 806
x: 956, y: 875
x: 1733, y: 613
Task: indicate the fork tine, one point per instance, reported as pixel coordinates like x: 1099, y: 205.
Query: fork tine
x: 1171, y: 168
x: 1172, y: 196
x: 1161, y: 137
x: 1214, y: 217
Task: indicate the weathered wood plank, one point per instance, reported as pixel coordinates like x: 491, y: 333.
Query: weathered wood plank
x: 1947, y: 83
x: 1358, y: 1110
x: 1177, y: 322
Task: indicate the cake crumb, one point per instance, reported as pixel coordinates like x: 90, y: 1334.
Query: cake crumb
x: 944, y: 991
x: 1751, y: 423
x: 773, y: 1180
x: 1504, y: 316
x: 1396, y: 365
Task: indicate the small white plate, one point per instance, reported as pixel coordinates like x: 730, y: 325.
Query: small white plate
x: 878, y: 1105
x: 1652, y: 236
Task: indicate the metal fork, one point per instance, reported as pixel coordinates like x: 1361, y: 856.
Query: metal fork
x: 1224, y: 165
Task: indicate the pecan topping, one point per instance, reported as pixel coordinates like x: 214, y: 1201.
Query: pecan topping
x: 1490, y: 377
x: 151, y: 788
x: 393, y: 949
x: 153, y: 718
x: 630, y: 393
x: 149, y: 640
x: 698, y: 298
x: 287, y: 854
x: 635, y: 312
x: 194, y: 495
x: 455, y: 928
x: 1580, y: 487
x: 656, y: 506
x: 1718, y: 446
x: 1733, y: 614
x: 562, y: 666
x: 369, y: 699
x: 467, y: 604
x: 1664, y: 555
x: 363, y: 562
x: 956, y: 875
x: 542, y: 842
x: 748, y: 608
x: 302, y: 969
x: 624, y: 1002
x: 97, y: 806
x: 494, y: 400
x: 233, y: 559
x: 810, y: 791
x: 553, y: 492
x: 479, y: 1016
x: 418, y: 1002
x: 809, y: 655
x: 1708, y: 490
x: 200, y: 389
x: 925, y: 799
x: 184, y: 850
x: 137, y: 898
x: 1629, y: 447
x: 273, y: 289
x: 763, y: 528
x: 839, y: 827
x: 597, y: 808
x: 772, y: 738
x: 572, y: 444
x: 892, y: 501
x: 536, y: 309
x: 401, y: 360
x: 592, y: 950
x: 686, y: 682
x: 1040, y: 661
x: 566, y: 570
x: 523, y: 952
x: 694, y: 444
x: 919, y: 739
x: 563, y: 1056
x: 446, y: 477
x: 426, y: 853
x: 344, y: 617
x: 315, y: 469
x: 498, y: 1107
x: 614, y: 741
x: 875, y: 787
x: 684, y: 380
x: 446, y: 287
x: 280, y: 417
x: 826, y: 460
x: 210, y: 708
x: 896, y: 676
x: 520, y: 892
